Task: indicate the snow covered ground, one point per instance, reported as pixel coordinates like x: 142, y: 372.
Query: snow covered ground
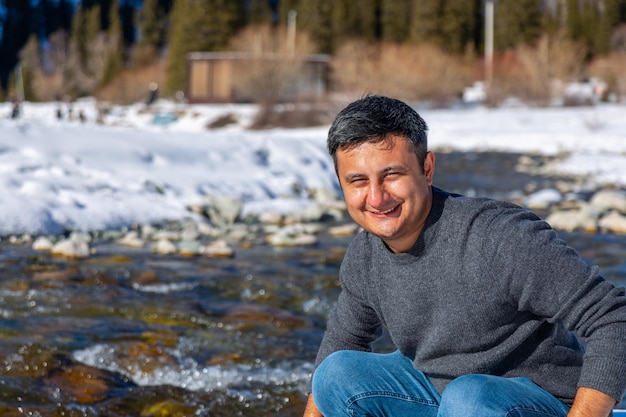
x: 67, y: 174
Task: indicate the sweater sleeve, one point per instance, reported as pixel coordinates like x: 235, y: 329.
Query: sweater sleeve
x: 547, y: 278
x: 353, y: 323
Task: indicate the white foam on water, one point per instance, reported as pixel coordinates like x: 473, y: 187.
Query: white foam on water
x: 191, y: 375
x: 165, y: 288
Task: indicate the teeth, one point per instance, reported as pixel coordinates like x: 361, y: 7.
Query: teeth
x: 386, y: 211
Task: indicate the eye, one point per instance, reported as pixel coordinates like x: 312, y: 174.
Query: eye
x: 392, y: 174
x: 356, y: 180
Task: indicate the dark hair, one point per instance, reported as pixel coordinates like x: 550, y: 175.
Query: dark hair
x: 372, y: 119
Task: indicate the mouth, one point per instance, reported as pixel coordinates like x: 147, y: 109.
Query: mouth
x: 385, y: 213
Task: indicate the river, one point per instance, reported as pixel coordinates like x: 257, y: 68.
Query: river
x: 128, y: 332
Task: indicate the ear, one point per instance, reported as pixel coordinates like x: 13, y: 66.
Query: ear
x: 429, y: 167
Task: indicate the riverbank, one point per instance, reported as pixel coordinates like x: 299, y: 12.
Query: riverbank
x: 125, y: 166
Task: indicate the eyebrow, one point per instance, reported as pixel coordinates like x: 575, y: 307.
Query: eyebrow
x: 400, y: 168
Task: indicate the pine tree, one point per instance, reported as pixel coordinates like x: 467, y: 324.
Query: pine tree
x: 351, y: 22
x: 83, y: 69
x: 257, y: 11
x: 459, y: 25
x: 114, y: 46
x: 315, y: 17
x: 151, y: 24
x: 612, y: 13
x: 517, y: 22
x: 199, y: 25
x: 584, y: 24
x: 425, y: 21
x: 84, y: 31
x: 395, y: 20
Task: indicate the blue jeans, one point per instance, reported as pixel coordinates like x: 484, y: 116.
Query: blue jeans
x: 351, y: 383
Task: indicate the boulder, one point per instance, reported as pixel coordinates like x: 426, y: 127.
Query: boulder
x: 543, y: 199
x: 71, y: 248
x: 223, y: 211
x: 571, y: 220
x: 164, y: 247
x: 613, y: 222
x: 42, y: 244
x: 609, y: 200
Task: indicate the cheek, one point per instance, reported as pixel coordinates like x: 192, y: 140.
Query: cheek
x: 351, y: 197
x: 354, y: 197
x: 400, y: 189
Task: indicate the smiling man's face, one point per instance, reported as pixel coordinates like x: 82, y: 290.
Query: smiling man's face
x: 386, y: 191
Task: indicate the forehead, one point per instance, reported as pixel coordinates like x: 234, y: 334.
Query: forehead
x: 393, y: 150
x: 386, y: 144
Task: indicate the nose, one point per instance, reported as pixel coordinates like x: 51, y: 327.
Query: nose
x: 377, y: 195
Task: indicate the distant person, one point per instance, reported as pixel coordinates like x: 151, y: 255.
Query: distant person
x: 153, y: 94
x: 15, y: 107
x: 69, y: 102
x: 492, y: 314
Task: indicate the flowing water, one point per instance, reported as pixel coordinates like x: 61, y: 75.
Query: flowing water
x: 128, y: 332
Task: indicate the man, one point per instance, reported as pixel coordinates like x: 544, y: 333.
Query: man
x: 492, y: 314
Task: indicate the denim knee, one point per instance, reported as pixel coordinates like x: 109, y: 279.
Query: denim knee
x: 469, y: 388
x: 336, y: 374
x: 492, y: 396
x: 351, y: 383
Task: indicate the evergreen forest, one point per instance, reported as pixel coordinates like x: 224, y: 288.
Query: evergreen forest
x: 415, y: 49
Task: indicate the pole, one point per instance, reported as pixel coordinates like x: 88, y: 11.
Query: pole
x: 291, y: 33
x: 489, y: 41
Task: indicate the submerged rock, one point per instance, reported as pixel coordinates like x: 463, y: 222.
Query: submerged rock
x: 265, y: 314
x: 83, y: 384
x: 168, y: 408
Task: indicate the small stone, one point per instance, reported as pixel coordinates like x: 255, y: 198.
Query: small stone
x: 168, y: 407
x: 543, y: 199
x: 166, y: 235
x: 190, y: 231
x: 132, y: 240
x: 218, y: 249
x: 80, y: 237
x: 344, y: 230
x: 609, y: 200
x: 71, y: 248
x: 271, y: 218
x: 145, y: 278
x: 571, y: 220
x: 164, y: 247
x: 613, y: 222
x: 189, y: 247
x: 42, y: 244
x: 291, y: 237
x: 224, y: 210
x: 82, y: 384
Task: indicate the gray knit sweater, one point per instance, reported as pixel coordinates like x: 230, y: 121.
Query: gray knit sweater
x: 487, y: 288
